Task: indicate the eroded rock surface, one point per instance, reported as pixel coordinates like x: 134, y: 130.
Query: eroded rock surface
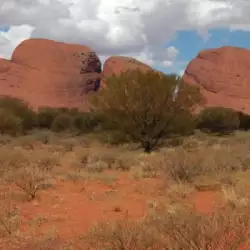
x: 48, y: 73
x: 223, y: 74
x: 115, y: 65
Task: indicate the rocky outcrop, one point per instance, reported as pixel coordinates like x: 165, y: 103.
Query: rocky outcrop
x: 115, y: 65
x: 48, y: 73
x: 223, y: 75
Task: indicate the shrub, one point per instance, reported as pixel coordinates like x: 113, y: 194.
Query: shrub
x: 10, y: 123
x: 62, y: 122
x: 21, y: 109
x: 184, y: 123
x: 218, y: 120
x: 244, y: 121
x: 46, y: 116
x: 141, y: 105
x: 174, y: 227
x: 85, y: 122
x: 29, y: 180
x: 70, y: 111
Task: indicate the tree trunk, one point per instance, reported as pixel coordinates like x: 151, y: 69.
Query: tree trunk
x: 147, y: 147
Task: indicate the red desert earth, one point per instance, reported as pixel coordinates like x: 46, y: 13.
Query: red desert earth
x: 70, y: 209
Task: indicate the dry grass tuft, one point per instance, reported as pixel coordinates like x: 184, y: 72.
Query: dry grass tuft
x: 9, y: 221
x: 30, y: 180
x: 175, y: 228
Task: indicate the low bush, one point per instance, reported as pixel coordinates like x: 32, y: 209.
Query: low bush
x: 184, y: 123
x: 218, y: 120
x: 10, y: 123
x: 63, y: 122
x: 85, y: 122
x: 20, y: 109
x: 244, y: 121
x: 46, y: 116
x: 174, y: 227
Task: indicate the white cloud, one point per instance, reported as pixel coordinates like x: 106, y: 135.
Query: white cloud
x: 10, y: 39
x: 130, y: 27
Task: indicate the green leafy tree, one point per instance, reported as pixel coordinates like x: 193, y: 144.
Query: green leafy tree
x: 141, y: 105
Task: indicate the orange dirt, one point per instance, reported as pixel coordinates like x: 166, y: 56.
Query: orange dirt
x: 72, y: 208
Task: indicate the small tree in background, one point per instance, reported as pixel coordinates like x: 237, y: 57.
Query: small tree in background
x: 142, y: 106
x: 218, y: 120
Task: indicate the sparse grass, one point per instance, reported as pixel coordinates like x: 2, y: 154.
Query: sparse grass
x: 210, y: 161
x: 235, y: 197
x: 30, y: 180
x: 39, y: 221
x: 200, y: 161
x: 179, y: 228
x: 179, y: 191
x: 145, y: 169
x: 9, y: 221
x: 98, y: 160
x: 11, y: 159
x: 81, y: 174
x: 45, y: 160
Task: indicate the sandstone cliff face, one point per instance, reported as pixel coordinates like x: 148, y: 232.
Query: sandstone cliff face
x: 115, y: 65
x: 223, y: 75
x: 48, y: 73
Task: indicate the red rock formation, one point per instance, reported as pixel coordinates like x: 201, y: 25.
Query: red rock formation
x: 223, y: 75
x: 114, y: 65
x: 48, y: 73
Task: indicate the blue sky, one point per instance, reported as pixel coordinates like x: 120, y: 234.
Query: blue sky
x: 189, y: 43
x: 4, y: 29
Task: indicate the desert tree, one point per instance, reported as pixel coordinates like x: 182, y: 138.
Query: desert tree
x: 142, y: 106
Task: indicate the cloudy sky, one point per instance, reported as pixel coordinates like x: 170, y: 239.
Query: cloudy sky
x: 163, y: 33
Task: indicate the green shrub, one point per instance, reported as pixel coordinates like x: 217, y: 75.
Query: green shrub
x: 73, y: 111
x: 85, y: 122
x: 46, y: 116
x: 21, y: 109
x: 218, y: 120
x: 244, y: 121
x: 184, y: 123
x: 63, y: 122
x: 10, y: 123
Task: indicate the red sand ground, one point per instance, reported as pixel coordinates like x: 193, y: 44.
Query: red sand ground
x: 72, y: 208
